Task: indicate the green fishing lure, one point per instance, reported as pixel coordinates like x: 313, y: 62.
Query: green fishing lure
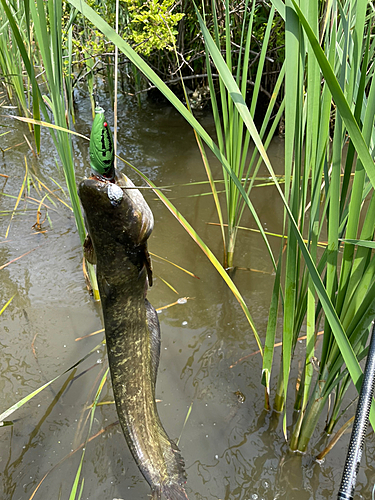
x: 101, y: 146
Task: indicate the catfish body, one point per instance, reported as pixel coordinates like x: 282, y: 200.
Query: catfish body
x: 119, y: 223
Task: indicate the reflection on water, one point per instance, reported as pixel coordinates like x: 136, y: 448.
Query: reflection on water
x: 233, y: 449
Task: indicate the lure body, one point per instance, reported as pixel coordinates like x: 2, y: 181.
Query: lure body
x: 101, y: 146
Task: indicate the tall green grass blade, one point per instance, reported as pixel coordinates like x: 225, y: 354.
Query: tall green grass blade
x: 269, y: 343
x: 340, y: 100
x: 323, y: 145
x: 363, y: 254
x: 315, y: 167
x: 262, y: 59
x: 355, y: 202
x: 223, y: 96
x: 334, y: 193
x: 361, y: 243
x: 292, y: 133
x: 242, y: 75
x: 357, y: 114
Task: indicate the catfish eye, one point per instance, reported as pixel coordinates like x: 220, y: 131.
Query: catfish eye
x: 115, y: 194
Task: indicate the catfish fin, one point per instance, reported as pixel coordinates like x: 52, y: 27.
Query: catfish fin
x: 173, y: 491
x: 148, y: 265
x: 156, y: 494
x: 174, y: 488
x: 155, y: 340
x: 179, y: 463
x: 88, y: 250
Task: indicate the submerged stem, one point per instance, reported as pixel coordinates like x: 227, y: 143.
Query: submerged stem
x: 303, y: 430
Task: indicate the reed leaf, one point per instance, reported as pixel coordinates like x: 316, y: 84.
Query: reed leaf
x: 340, y: 100
x: 361, y: 243
x: 269, y: 344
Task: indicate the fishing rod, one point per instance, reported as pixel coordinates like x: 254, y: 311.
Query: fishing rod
x: 353, y: 458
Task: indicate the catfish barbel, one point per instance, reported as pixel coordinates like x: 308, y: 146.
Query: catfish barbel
x: 119, y: 222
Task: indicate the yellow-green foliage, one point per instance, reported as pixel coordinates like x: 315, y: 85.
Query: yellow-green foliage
x: 149, y: 24
x: 90, y: 43
x: 152, y: 24
x: 89, y: 40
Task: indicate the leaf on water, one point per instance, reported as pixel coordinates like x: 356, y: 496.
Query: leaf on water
x: 17, y: 258
x: 27, y: 398
x: 168, y: 285
x: 6, y: 305
x: 181, y: 300
x: 18, y: 199
x: 175, y: 265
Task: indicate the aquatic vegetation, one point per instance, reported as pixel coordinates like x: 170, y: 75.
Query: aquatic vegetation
x: 8, y: 412
x: 232, y: 135
x: 338, y: 204
x: 302, y: 278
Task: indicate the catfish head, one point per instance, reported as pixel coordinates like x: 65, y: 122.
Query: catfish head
x: 115, y: 211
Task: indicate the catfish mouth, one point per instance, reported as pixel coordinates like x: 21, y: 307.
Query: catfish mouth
x: 110, y: 177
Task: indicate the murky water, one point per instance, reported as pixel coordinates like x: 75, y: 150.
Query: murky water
x: 233, y: 449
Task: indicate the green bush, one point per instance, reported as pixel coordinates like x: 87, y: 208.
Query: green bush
x: 152, y: 24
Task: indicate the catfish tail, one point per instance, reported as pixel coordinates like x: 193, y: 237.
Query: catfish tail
x: 176, y: 464
x: 171, y: 491
x: 174, y: 492
x: 173, y: 488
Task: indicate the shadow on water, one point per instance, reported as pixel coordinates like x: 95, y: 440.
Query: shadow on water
x: 233, y: 449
